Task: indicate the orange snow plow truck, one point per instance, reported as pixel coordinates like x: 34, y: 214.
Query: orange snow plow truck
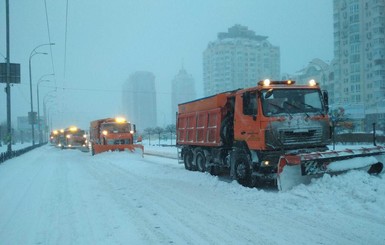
x: 275, y: 133
x: 112, y: 134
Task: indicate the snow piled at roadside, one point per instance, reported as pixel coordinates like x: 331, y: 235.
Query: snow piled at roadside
x: 352, y: 192
x: 367, y: 191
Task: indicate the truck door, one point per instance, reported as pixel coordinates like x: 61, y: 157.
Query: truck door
x: 246, y: 123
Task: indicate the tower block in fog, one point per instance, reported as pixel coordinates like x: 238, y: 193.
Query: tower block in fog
x: 182, y: 90
x: 139, y: 99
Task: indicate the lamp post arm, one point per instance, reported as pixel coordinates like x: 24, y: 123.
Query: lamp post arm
x: 33, y: 53
x: 41, y: 45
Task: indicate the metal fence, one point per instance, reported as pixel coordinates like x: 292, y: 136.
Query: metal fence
x: 359, y: 138
x: 9, y: 155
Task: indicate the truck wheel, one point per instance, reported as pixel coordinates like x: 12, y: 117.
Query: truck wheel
x: 226, y: 131
x: 188, y: 159
x: 92, y: 150
x: 200, y: 161
x: 214, y: 170
x: 241, y: 170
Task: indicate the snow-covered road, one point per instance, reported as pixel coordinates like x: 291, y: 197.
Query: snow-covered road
x: 52, y: 196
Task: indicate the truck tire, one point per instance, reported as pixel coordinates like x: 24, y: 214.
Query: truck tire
x: 200, y: 160
x: 241, y: 168
x: 92, y: 149
x: 188, y: 159
x: 227, y: 131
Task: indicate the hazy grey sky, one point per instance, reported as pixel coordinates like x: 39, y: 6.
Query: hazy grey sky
x: 109, y: 40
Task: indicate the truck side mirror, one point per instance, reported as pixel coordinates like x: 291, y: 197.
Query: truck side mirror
x: 269, y: 93
x: 326, y: 100
x: 134, y: 127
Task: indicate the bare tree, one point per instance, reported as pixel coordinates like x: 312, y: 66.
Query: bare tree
x: 159, y: 131
x: 171, y: 128
x: 149, y: 132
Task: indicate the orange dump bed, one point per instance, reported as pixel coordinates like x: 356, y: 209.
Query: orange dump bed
x: 216, y: 101
x: 199, y: 122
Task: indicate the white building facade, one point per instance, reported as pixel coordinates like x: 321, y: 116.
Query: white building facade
x: 359, y: 52
x: 238, y: 59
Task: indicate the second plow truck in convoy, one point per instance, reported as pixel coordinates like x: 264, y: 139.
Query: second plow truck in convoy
x: 275, y: 133
x: 69, y: 138
x: 74, y: 138
x: 112, y: 134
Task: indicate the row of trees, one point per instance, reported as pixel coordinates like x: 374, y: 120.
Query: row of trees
x: 338, y: 116
x: 5, y: 138
x: 343, y: 123
x: 340, y: 120
x: 18, y: 136
x: 160, y: 134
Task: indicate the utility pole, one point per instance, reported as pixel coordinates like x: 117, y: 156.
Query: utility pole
x: 32, y: 117
x: 8, y: 79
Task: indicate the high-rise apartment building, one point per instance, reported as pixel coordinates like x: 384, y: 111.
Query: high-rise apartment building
x: 183, y: 90
x: 139, y: 100
x: 237, y: 59
x: 359, y: 52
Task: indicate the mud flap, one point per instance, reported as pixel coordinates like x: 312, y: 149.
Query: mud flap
x: 84, y: 149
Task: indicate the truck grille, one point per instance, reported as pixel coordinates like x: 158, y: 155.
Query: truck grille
x: 295, y: 137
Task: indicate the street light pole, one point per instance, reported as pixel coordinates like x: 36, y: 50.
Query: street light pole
x: 8, y: 80
x: 38, y: 105
x: 48, y: 97
x: 32, y: 118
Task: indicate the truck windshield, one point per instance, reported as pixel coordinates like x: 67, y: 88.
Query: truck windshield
x: 79, y: 133
x: 116, y: 127
x: 291, y: 101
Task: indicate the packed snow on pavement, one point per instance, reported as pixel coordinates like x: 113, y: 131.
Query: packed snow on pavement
x: 53, y: 196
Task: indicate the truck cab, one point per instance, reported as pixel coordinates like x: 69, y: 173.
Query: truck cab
x: 280, y: 115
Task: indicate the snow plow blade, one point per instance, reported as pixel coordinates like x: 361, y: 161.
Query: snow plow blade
x: 96, y: 149
x: 301, y: 168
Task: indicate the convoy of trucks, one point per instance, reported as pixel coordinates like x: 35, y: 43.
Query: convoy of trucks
x: 69, y: 138
x: 276, y: 133
x: 254, y: 134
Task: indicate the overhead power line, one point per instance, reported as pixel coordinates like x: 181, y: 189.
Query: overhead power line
x: 105, y: 90
x: 49, y: 38
x: 65, y: 41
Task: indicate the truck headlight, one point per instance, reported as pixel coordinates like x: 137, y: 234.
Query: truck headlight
x: 265, y: 163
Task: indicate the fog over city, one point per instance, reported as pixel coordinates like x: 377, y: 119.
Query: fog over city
x: 226, y: 147
x: 99, y: 44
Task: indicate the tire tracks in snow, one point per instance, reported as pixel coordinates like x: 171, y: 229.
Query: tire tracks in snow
x: 119, y: 187
x: 154, y: 210
x: 174, y: 203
